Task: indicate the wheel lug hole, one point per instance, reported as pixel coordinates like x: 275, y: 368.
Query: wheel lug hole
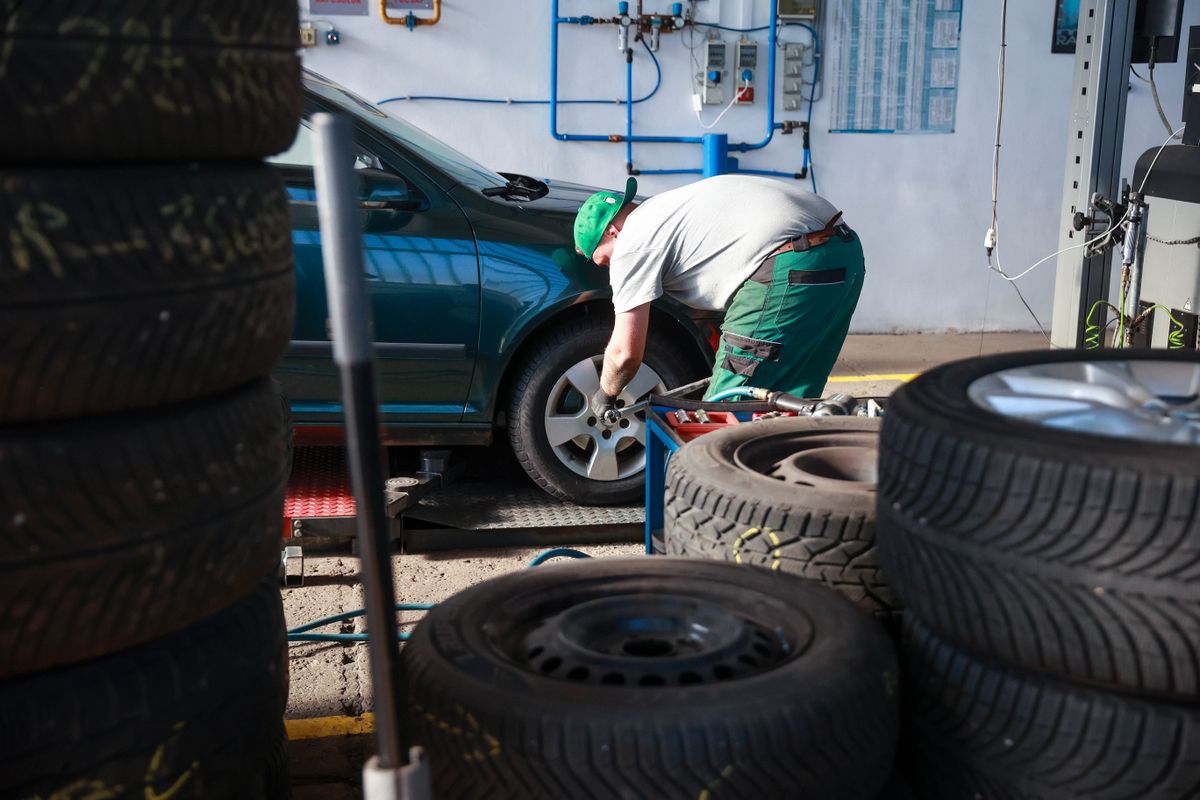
x: 606, y: 433
x: 624, y: 423
x: 591, y: 422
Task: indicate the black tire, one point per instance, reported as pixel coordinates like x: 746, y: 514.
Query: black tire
x: 817, y: 521
x: 1069, y: 553
x: 980, y: 729
x: 542, y: 368
x: 149, y: 81
x: 503, y: 721
x: 197, y: 714
x: 136, y: 287
x: 122, y: 528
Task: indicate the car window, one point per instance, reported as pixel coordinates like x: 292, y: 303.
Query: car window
x: 300, y: 154
x: 457, y: 166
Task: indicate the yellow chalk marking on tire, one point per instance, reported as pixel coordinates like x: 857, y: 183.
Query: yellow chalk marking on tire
x: 777, y: 554
x: 737, y: 543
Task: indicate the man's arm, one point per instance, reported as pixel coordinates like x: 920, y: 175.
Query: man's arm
x: 623, y: 356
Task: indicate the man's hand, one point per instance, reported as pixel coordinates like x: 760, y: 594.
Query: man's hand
x: 623, y: 356
x: 604, y: 407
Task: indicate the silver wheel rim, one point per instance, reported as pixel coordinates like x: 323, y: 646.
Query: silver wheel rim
x: 1144, y: 400
x: 584, y: 445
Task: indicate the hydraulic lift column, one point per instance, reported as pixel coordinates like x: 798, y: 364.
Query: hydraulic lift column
x: 1094, y: 143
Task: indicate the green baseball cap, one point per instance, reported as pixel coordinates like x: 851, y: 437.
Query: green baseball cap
x: 595, y: 215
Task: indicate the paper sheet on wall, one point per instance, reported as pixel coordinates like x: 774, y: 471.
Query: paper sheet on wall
x: 894, y: 65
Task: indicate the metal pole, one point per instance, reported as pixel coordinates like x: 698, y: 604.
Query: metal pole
x: 1133, y: 252
x: 341, y: 247
x: 1103, y: 46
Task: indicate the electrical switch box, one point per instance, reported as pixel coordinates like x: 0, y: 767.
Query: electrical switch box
x: 712, y: 91
x: 745, y: 54
x: 799, y: 9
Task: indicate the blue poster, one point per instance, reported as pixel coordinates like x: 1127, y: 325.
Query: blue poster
x: 1066, y: 23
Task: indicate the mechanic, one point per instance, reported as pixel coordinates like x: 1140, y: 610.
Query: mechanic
x: 793, y: 269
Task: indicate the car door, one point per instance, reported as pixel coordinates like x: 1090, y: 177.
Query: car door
x: 422, y: 272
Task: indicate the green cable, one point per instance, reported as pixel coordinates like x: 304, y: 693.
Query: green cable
x: 1175, y: 337
x: 1093, y: 333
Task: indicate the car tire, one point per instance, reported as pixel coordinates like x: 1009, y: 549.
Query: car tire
x: 141, y: 286
x: 980, y: 729
x: 564, y: 681
x: 541, y: 389
x: 121, y: 528
x: 196, y: 714
x: 795, y: 494
x: 1053, y: 549
x: 157, y: 81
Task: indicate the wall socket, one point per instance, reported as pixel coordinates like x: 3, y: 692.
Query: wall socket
x: 308, y: 35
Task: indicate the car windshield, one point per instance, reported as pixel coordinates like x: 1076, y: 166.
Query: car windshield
x: 457, y: 166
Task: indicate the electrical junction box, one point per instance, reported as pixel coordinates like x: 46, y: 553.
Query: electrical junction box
x: 799, y: 9
x: 794, y: 54
x: 711, y: 90
x: 745, y: 57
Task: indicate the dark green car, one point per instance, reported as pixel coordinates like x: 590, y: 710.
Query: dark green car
x: 484, y: 315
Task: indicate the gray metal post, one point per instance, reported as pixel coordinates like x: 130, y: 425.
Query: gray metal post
x: 341, y: 248
x: 1094, y: 143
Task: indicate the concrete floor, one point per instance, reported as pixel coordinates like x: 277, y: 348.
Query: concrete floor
x: 331, y: 686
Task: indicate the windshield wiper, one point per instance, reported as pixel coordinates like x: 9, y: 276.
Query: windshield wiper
x: 518, y: 186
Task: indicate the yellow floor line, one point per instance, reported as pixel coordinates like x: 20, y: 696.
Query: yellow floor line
x: 904, y: 377
x: 322, y: 727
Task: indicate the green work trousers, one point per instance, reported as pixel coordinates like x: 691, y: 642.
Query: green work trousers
x: 786, y: 335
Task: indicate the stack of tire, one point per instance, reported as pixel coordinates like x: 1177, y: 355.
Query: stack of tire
x: 793, y: 494
x: 1039, y: 515
x: 146, y: 289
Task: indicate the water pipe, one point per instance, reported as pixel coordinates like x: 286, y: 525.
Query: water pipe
x: 555, y: 21
x: 716, y: 154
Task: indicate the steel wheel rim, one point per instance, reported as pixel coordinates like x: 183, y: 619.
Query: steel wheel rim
x: 663, y: 640
x: 583, y: 444
x: 820, y: 459
x: 1147, y: 400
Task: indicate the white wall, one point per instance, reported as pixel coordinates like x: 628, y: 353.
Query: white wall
x: 920, y: 202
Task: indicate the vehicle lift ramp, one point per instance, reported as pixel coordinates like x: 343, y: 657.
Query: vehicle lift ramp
x: 434, y: 509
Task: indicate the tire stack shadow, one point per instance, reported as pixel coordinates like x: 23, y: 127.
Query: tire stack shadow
x: 1052, y: 585
x: 146, y: 290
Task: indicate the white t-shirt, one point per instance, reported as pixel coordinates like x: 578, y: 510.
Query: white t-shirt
x: 700, y: 242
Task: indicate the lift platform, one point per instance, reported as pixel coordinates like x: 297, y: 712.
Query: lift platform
x: 438, y: 508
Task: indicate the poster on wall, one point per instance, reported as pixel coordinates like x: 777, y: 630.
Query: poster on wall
x: 347, y: 8
x: 895, y: 65
x: 1066, y: 23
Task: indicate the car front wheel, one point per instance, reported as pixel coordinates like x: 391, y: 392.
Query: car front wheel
x: 556, y: 438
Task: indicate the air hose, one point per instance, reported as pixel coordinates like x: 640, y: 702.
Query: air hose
x: 301, y: 632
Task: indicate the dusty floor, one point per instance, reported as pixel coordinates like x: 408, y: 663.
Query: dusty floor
x: 330, y: 686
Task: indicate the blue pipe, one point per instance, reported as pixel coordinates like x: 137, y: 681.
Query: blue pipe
x: 629, y: 110
x: 716, y: 154
x: 670, y: 172
x: 736, y: 391
x: 773, y: 173
x: 555, y: 21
